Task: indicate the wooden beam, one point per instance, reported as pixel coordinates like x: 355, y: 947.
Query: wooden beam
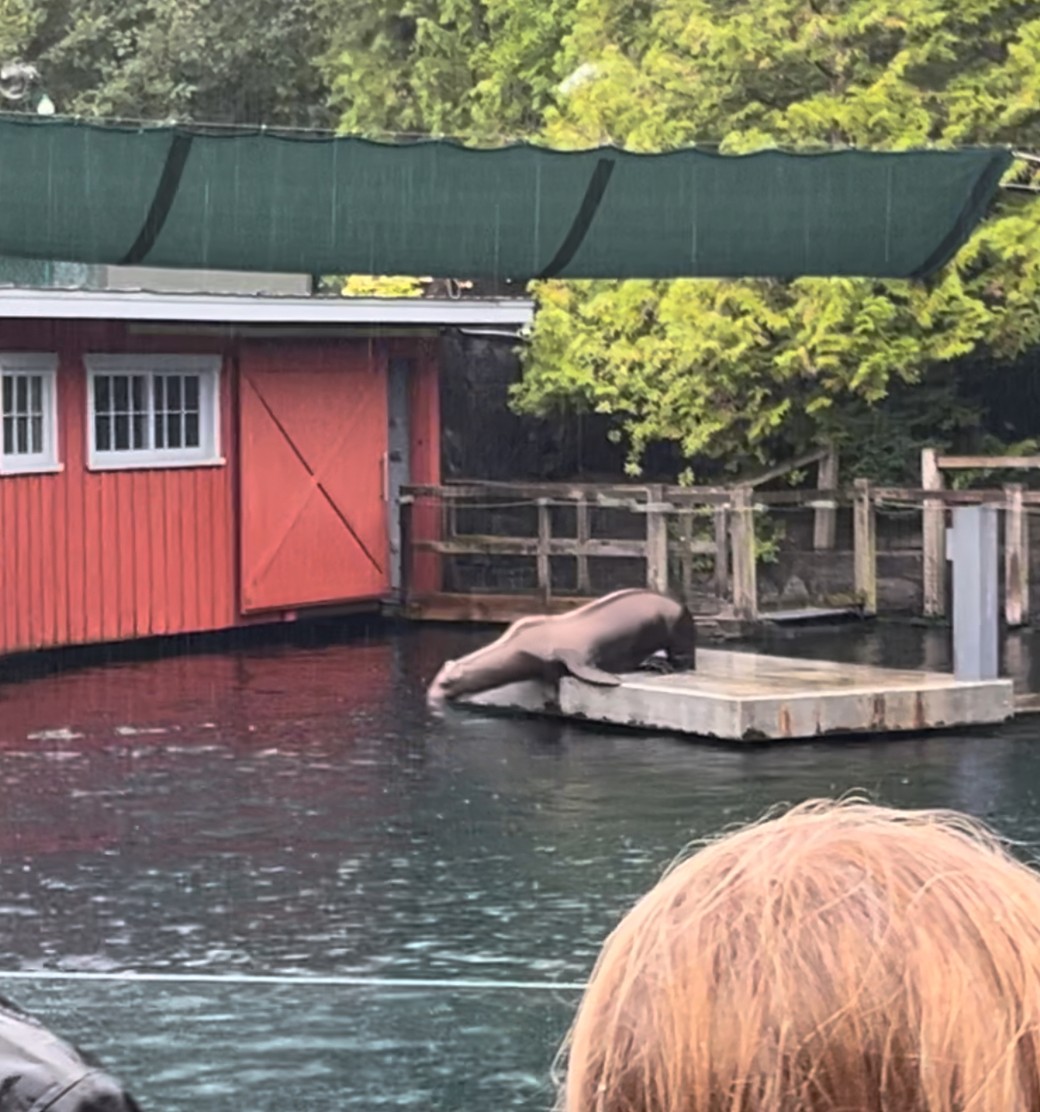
x: 606, y: 493
x: 657, y: 540
x: 933, y: 532
x: 449, y: 607
x: 1016, y: 557
x: 742, y: 531
x: 865, y: 547
x: 825, y: 521
x: 721, y: 552
x: 477, y: 545
x: 544, y: 547
x: 812, y: 499
x: 784, y: 468
x: 582, y: 536
x: 686, y: 551
x: 987, y: 463
x: 942, y: 498
x: 567, y: 491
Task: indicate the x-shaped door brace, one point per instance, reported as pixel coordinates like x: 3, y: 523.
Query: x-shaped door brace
x: 316, y: 485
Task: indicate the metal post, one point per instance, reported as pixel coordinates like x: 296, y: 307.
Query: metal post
x: 972, y: 547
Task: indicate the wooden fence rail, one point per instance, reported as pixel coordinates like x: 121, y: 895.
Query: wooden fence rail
x: 656, y: 547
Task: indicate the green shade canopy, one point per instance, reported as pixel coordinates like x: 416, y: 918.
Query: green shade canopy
x: 242, y: 199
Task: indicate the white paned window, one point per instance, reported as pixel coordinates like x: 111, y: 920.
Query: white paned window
x: 153, y: 411
x: 29, y: 409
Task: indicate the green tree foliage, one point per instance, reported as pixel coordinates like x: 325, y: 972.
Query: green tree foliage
x: 758, y: 368
x: 205, y: 60
x: 368, y: 285
x: 479, y: 69
x: 404, y: 68
x: 18, y: 21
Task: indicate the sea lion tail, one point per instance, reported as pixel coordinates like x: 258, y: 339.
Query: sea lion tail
x: 582, y: 670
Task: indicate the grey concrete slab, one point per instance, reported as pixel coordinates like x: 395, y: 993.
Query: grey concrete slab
x: 753, y: 697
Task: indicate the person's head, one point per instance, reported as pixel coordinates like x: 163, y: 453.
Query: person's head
x: 842, y: 957
x: 41, y: 1072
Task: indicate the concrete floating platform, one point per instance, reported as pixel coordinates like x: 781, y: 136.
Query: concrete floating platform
x: 736, y: 696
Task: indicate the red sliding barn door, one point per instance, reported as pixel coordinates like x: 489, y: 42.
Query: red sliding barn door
x: 313, y: 422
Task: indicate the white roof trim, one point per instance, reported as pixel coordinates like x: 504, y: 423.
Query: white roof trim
x: 239, y: 309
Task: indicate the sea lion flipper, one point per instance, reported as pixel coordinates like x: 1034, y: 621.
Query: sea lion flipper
x: 657, y: 663
x: 582, y: 670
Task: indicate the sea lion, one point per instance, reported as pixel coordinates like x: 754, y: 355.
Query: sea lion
x: 38, y: 1070
x: 616, y: 633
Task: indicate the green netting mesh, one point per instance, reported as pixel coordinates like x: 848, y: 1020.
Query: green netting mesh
x: 179, y: 197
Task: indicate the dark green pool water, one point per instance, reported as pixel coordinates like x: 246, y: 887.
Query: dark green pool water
x: 295, y: 811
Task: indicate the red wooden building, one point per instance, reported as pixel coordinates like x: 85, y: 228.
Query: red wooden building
x: 177, y: 463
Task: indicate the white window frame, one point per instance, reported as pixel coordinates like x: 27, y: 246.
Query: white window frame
x: 207, y: 454
x: 44, y: 364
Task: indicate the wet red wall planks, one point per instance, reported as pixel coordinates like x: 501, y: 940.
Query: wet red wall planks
x: 95, y: 556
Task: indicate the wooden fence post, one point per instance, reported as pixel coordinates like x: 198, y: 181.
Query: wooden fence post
x: 686, y: 555
x: 825, y: 520
x: 745, y: 583
x: 864, y: 531
x: 448, y: 531
x: 581, y: 510
x: 1016, y: 557
x: 544, y: 536
x: 933, y: 530
x: 656, y: 540
x: 722, y: 551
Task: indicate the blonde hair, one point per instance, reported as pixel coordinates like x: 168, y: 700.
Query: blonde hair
x: 842, y: 957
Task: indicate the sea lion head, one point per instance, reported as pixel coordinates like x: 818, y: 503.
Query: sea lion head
x: 447, y: 684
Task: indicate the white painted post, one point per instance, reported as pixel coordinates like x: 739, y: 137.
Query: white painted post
x: 976, y: 591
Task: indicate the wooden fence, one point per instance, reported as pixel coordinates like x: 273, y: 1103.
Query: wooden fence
x: 681, y: 530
